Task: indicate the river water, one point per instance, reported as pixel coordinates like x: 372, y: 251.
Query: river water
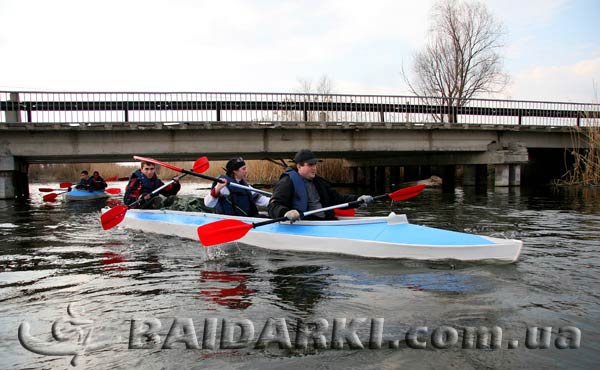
x: 102, y: 290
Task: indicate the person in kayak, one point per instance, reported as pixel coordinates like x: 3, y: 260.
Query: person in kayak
x: 84, y: 181
x: 231, y: 200
x: 144, y: 181
x: 96, y: 182
x: 300, y: 189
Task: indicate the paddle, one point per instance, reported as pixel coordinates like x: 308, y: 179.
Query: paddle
x: 52, y: 196
x: 108, y: 190
x: 195, y: 173
x: 115, y: 178
x: 47, y: 190
x: 115, y: 215
x: 229, y: 230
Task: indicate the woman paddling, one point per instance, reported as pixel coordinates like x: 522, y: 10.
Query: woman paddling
x: 231, y: 200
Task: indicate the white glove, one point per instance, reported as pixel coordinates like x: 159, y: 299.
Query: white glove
x: 366, y: 199
x: 292, y: 215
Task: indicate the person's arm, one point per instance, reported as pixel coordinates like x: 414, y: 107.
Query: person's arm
x: 217, y: 190
x: 172, y: 189
x: 261, y: 200
x: 281, y: 200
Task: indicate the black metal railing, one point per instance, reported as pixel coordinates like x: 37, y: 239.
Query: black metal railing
x: 175, y: 108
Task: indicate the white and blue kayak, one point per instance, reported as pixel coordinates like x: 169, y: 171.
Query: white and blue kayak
x: 374, y: 237
x: 77, y: 194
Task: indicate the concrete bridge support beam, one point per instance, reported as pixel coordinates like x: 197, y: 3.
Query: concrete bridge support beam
x: 13, y: 178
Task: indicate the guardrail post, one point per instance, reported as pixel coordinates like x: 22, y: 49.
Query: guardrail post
x: 14, y: 113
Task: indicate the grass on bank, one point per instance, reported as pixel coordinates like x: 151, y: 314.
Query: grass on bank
x: 259, y: 171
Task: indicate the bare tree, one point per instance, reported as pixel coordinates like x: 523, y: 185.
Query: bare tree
x: 317, y: 94
x: 324, y: 86
x: 461, y: 58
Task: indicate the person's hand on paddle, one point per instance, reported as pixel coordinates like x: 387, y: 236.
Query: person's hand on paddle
x: 220, y: 189
x: 176, y: 179
x: 365, y: 199
x: 292, y: 215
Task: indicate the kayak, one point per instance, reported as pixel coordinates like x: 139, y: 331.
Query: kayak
x: 374, y: 237
x: 77, y: 194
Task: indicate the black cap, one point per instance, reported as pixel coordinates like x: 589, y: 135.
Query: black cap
x: 306, y: 156
x: 234, y: 164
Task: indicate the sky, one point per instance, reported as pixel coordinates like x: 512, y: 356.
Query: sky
x: 551, y: 47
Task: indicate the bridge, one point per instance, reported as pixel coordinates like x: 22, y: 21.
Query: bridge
x: 379, y: 136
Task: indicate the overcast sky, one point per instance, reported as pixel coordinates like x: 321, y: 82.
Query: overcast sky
x: 552, y: 46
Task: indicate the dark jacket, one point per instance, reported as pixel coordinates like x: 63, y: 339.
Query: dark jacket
x: 282, y: 199
x: 83, y: 184
x: 140, y: 184
x: 96, y: 184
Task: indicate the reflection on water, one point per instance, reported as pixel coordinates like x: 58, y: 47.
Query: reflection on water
x: 302, y: 287
x: 55, y: 255
x: 235, y: 293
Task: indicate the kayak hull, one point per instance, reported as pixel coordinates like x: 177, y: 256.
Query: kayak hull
x: 373, y: 237
x: 76, y: 194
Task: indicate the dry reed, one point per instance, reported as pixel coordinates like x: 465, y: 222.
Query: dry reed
x: 586, y: 155
x: 261, y: 172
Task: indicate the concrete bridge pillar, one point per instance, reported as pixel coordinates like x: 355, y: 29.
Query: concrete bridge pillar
x: 469, y: 175
x: 502, y: 175
x: 13, y: 178
x: 515, y: 175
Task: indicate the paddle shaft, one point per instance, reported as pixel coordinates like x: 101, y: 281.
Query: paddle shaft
x: 266, y: 193
x: 324, y: 209
x: 193, y: 173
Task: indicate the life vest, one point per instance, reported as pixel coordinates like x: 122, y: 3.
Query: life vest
x: 139, y: 184
x: 300, y: 201
x: 239, y: 202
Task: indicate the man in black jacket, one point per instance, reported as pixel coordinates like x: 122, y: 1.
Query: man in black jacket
x: 301, y: 189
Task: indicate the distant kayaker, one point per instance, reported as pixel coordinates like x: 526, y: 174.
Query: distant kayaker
x: 231, y: 200
x: 142, y: 182
x: 84, y: 181
x: 96, y: 182
x: 300, y: 189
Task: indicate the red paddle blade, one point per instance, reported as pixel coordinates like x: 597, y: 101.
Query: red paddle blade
x: 113, y: 190
x: 407, y: 193
x: 114, y: 178
x: 46, y: 190
x: 201, y: 165
x: 344, y: 212
x: 223, y: 231
x: 113, y: 217
x: 123, y: 178
x: 50, y: 197
x: 66, y: 184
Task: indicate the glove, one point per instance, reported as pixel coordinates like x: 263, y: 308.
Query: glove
x: 292, y: 215
x: 366, y: 199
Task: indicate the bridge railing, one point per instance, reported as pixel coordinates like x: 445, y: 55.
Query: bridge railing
x: 91, y: 108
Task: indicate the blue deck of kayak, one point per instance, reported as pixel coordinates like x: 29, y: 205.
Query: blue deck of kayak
x: 382, y: 232
x: 84, y: 193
